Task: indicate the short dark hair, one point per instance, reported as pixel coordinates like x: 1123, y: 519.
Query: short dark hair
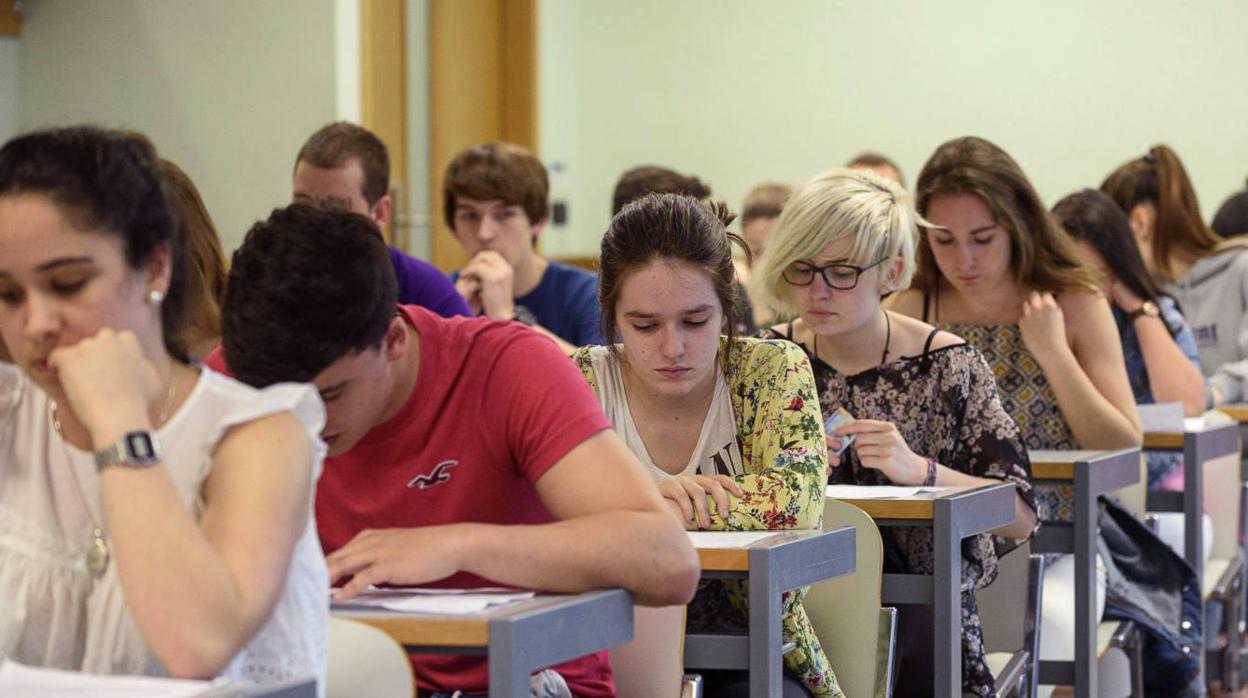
x: 873, y: 159
x: 497, y: 170
x: 307, y: 287
x: 1232, y: 216
x: 765, y: 201
x: 336, y: 144
x: 652, y: 179
x: 106, y: 181
x: 668, y: 227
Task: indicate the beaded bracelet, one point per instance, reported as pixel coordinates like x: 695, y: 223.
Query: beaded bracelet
x: 931, y: 473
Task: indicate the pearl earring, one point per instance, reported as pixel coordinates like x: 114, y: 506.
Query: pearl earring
x: 155, y: 297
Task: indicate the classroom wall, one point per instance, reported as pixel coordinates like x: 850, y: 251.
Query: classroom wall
x: 8, y: 87
x: 228, y: 89
x: 742, y: 91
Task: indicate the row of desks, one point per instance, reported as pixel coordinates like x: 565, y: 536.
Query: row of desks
x: 520, y: 638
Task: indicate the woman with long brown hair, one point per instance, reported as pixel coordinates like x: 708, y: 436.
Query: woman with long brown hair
x: 998, y: 270
x: 1206, y: 274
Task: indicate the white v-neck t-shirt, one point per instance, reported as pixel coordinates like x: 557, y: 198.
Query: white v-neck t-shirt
x: 717, y: 452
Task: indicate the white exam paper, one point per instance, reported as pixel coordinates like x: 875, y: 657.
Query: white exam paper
x: 727, y: 539
x: 1162, y: 418
x: 449, y: 602
x: 876, y: 491
x: 37, y: 682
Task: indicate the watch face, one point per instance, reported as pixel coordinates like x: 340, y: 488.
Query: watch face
x: 139, y: 447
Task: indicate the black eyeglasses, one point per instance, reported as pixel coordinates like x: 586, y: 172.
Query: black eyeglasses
x: 842, y: 277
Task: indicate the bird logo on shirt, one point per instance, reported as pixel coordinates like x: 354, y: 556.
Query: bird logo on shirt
x: 438, y: 476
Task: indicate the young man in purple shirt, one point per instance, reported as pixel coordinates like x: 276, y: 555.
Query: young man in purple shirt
x: 343, y: 167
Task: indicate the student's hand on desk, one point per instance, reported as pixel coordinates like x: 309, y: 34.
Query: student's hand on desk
x: 880, y: 447
x: 493, y: 276
x: 687, y: 494
x: 403, y: 556
x: 108, y: 382
x: 1043, y: 325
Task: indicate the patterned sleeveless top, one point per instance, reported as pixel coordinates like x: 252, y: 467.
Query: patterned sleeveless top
x: 1025, y: 391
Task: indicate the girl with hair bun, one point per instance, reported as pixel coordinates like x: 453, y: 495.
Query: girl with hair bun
x: 1206, y: 274
x: 729, y: 427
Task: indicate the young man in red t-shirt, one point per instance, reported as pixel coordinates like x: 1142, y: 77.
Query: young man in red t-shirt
x: 463, y: 452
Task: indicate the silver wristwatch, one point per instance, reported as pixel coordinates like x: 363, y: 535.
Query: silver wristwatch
x: 137, y: 449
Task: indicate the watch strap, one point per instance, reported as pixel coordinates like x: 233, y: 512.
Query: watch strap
x: 1146, y: 308
x: 137, y: 449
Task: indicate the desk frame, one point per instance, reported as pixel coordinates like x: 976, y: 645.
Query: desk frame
x: 517, y: 638
x: 1093, y: 474
x: 772, y: 566
x: 954, y: 515
x: 1198, y: 447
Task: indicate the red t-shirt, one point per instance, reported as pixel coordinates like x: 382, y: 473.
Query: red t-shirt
x: 495, y: 405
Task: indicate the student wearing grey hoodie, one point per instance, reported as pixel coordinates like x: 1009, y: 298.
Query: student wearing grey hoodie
x: 1207, y: 275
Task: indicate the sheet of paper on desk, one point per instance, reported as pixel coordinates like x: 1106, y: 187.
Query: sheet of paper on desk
x: 876, y: 491
x: 20, y: 680
x: 1161, y: 418
x: 727, y: 539
x: 450, y: 602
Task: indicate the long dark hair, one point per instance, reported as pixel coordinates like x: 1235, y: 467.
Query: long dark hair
x: 1094, y: 218
x: 670, y: 227
x: 107, y: 181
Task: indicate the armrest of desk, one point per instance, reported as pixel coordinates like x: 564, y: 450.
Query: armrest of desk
x: 1105, y: 471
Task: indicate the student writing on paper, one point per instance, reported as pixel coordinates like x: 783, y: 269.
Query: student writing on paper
x: 463, y: 452
x: 1157, y: 343
x: 154, y: 519
x: 925, y: 404
x: 728, y: 426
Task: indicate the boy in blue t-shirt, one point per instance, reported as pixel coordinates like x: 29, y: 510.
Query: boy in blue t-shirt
x: 495, y: 201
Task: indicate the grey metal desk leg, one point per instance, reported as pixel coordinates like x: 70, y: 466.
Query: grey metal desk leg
x: 1193, y: 504
x: 947, y: 603
x: 507, y: 676
x: 765, y: 636
x: 1085, y: 531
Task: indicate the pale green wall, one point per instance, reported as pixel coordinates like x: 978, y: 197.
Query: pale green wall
x: 8, y: 87
x: 741, y: 91
x: 228, y: 89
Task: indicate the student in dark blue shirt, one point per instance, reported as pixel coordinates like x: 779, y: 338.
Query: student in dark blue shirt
x: 495, y: 201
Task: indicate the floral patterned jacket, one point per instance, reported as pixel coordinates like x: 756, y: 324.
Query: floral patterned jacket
x: 786, y: 470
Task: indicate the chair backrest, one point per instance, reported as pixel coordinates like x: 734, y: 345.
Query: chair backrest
x: 652, y: 665
x: 364, y: 661
x: 845, y: 611
x: 1222, y: 490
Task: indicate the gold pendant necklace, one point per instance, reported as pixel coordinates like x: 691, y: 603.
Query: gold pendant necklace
x: 97, y: 549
